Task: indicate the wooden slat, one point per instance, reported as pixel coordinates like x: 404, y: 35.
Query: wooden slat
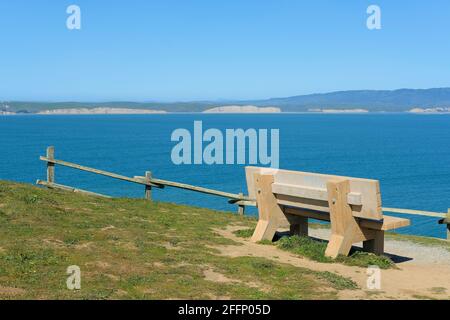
x: 323, y: 216
x: 307, y: 204
x: 353, y: 198
x: 251, y: 170
x: 70, y: 189
x: 387, y: 223
x: 367, y: 188
x: 416, y: 212
x: 159, y: 183
x: 100, y: 172
x: 197, y: 189
x: 243, y: 202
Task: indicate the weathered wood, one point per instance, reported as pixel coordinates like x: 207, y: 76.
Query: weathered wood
x: 344, y: 226
x: 415, y: 212
x: 447, y: 222
x: 448, y: 225
x: 148, y: 187
x: 252, y: 203
x: 232, y: 196
x: 50, y: 165
x: 158, y: 183
x: 353, y: 198
x: 271, y: 216
x: 70, y: 189
x: 375, y: 245
x: 366, y: 191
x: 241, y: 208
x: 243, y: 202
x: 388, y: 222
x: 300, y: 227
x: 100, y: 172
x: 294, y: 200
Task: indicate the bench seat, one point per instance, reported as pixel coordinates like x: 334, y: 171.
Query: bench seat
x: 388, y: 222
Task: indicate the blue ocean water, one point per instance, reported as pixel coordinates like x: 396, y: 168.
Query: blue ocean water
x: 409, y: 154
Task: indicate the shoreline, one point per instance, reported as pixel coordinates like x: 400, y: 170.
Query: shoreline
x: 226, y: 113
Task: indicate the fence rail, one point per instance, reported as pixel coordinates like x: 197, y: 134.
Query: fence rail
x: 416, y: 212
x: 149, y: 182
x: 53, y: 185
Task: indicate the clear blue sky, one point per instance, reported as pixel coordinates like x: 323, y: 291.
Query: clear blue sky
x: 211, y: 49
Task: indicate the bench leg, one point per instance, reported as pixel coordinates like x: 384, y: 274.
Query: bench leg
x: 340, y: 244
x: 375, y: 245
x: 265, y: 230
x: 299, y: 227
x: 271, y: 216
x: 344, y: 227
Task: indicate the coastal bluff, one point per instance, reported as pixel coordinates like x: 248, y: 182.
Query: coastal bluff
x: 75, y: 111
x: 243, y: 109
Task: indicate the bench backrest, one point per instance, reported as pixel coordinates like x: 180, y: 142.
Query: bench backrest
x: 309, y: 191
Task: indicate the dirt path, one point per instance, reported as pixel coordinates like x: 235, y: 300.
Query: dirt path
x: 424, y: 271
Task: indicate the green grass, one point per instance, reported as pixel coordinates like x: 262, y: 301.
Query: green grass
x: 427, y: 241
x: 315, y: 250
x: 339, y: 282
x: 244, y: 233
x: 134, y: 249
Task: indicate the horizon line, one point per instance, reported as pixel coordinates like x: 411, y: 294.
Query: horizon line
x: 210, y: 100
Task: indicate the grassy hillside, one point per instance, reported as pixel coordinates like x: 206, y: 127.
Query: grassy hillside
x: 128, y: 248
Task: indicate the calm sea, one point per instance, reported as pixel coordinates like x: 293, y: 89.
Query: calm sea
x: 409, y: 154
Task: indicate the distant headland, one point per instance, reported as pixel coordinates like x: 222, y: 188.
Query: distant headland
x: 435, y: 100
x: 243, y: 109
x: 430, y: 110
x: 100, y: 111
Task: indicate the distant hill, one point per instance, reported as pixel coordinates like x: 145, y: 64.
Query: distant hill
x: 372, y: 100
x: 34, y: 107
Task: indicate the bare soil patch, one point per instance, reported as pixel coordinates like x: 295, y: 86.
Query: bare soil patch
x: 420, y: 269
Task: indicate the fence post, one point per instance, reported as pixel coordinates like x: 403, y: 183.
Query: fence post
x: 148, y: 188
x: 241, y: 208
x: 448, y: 225
x: 51, y: 166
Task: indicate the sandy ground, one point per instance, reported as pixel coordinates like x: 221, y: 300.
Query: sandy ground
x: 423, y: 271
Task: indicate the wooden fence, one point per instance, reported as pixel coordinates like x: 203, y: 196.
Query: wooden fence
x: 149, y: 182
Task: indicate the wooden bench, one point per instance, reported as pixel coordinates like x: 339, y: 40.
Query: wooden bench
x: 352, y: 205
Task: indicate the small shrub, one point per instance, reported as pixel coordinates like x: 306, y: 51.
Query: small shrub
x: 338, y: 282
x: 31, y: 199
x: 266, y: 242
x: 263, y: 265
x: 315, y: 250
x: 70, y: 240
x: 305, y: 246
x: 244, y: 233
x: 365, y: 259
